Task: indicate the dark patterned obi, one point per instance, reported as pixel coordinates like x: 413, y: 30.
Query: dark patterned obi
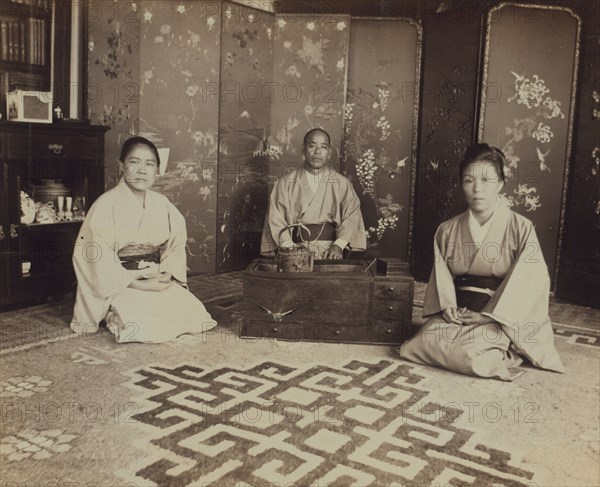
x: 474, y: 292
x: 318, y: 231
x: 138, y: 257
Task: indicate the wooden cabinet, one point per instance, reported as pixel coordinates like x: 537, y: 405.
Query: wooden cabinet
x: 340, y: 301
x: 44, y: 161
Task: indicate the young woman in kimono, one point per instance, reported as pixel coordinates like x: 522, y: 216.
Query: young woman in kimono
x: 487, y: 297
x: 130, y: 259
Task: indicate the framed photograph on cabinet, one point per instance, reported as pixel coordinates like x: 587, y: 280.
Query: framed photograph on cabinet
x: 29, y: 106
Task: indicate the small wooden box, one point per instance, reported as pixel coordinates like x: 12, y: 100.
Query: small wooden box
x: 340, y: 301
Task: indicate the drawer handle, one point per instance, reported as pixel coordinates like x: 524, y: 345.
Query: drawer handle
x: 274, y: 329
x: 13, y: 230
x: 56, y: 148
x: 2, y: 235
x: 389, y: 331
x: 337, y: 332
x: 390, y: 308
x: 391, y: 288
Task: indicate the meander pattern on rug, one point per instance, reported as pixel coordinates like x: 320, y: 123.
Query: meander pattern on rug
x: 362, y: 424
x: 215, y: 410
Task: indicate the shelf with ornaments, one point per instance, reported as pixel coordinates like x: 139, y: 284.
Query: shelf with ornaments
x: 52, y: 203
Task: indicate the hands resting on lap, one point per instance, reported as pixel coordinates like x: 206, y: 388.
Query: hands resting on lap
x: 153, y: 282
x: 464, y: 316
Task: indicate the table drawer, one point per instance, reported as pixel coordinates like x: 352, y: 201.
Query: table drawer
x: 392, y: 309
x: 394, y: 290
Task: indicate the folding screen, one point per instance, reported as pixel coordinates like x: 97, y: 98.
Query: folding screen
x: 174, y: 72
x: 244, y: 123
x: 528, y: 92
x: 380, y: 132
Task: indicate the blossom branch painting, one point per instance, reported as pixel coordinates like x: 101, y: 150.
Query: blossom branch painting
x: 379, y: 129
x: 533, y: 94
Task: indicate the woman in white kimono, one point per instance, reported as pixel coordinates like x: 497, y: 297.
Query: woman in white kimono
x: 130, y: 259
x: 487, y: 297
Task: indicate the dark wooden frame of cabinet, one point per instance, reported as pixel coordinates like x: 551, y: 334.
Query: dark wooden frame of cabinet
x: 28, y: 151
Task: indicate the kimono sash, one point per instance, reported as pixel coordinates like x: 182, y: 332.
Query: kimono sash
x: 318, y: 231
x: 135, y: 260
x: 475, y: 297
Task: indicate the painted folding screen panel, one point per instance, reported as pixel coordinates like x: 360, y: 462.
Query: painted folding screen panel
x: 179, y: 111
x: 380, y: 132
x: 113, y: 76
x: 529, y: 79
x: 579, y: 275
x: 309, y: 84
x: 244, y: 122
x: 448, y: 113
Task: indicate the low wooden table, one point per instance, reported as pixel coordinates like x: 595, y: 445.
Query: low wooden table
x: 340, y: 301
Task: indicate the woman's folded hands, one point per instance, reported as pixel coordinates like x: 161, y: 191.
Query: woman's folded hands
x: 153, y: 282
x: 464, y: 316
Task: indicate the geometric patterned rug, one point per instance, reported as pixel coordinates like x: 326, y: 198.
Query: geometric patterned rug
x: 215, y: 410
x: 360, y: 424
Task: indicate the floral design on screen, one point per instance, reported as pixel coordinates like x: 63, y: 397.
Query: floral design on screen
x: 366, y: 119
x: 533, y: 94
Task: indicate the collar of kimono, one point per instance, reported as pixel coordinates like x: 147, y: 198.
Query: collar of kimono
x: 311, y: 195
x: 312, y: 181
x: 130, y: 197
x: 478, y: 232
x: 495, y: 236
x: 307, y: 187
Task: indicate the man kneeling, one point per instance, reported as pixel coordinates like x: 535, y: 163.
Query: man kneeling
x: 319, y: 198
